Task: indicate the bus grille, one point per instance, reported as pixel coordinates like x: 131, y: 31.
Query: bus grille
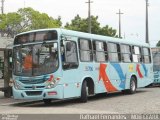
x: 32, y: 93
x: 32, y: 81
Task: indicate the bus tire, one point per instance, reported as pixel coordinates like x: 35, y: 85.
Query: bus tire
x: 47, y: 101
x: 84, y: 93
x: 133, y: 86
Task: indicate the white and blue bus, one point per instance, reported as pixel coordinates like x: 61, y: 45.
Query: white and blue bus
x: 68, y: 64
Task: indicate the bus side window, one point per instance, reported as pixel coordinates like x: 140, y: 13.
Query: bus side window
x: 100, y: 51
x: 126, y: 53
x: 71, y: 57
x: 85, y: 50
x: 119, y: 52
x: 150, y: 59
x: 140, y: 55
x: 136, y: 54
x: 131, y: 57
x: 146, y: 55
x: 113, y: 52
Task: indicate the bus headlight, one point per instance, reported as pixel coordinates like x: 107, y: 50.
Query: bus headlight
x: 16, y: 85
x: 50, y: 85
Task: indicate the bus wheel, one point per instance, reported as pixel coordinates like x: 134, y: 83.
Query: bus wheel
x: 84, y: 92
x: 133, y: 86
x: 47, y: 101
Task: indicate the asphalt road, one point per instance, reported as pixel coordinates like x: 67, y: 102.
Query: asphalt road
x: 146, y: 100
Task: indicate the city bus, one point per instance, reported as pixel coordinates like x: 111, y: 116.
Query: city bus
x: 62, y: 64
x: 156, y: 65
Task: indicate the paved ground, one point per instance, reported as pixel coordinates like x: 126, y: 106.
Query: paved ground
x: 146, y: 100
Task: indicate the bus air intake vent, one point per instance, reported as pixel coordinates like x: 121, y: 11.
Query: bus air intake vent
x: 33, y: 93
x: 33, y: 81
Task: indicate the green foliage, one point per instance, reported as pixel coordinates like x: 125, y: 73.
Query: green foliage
x: 108, y: 31
x: 35, y: 20
x: 77, y: 24
x: 10, y: 22
x: 3, y: 21
x: 26, y: 19
x: 81, y: 24
x: 158, y: 44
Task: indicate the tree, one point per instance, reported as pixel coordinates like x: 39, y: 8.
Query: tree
x: 108, y: 31
x: 2, y: 22
x: 26, y: 19
x: 77, y: 24
x: 158, y: 44
x: 81, y: 24
x: 9, y: 23
x: 32, y: 19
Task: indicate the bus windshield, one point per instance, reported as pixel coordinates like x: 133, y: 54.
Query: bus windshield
x: 35, y: 59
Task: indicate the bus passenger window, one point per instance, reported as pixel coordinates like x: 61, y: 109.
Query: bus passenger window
x: 119, y: 52
x: 136, y: 54
x: 113, y: 52
x: 146, y: 55
x: 126, y: 53
x: 100, y: 51
x: 85, y: 50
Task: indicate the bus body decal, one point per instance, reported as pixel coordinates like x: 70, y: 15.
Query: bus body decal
x: 120, y: 74
x: 131, y: 68
x: 102, y: 75
x: 145, y: 70
x: 138, y: 70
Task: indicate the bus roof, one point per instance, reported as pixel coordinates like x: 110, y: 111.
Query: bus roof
x: 93, y: 36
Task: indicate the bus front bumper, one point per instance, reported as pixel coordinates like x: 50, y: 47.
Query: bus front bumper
x: 53, y: 93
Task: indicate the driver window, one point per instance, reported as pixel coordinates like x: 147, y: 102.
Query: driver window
x: 71, y: 59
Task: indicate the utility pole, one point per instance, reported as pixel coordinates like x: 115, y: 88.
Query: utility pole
x: 119, y: 13
x: 147, y: 30
x: 2, y: 7
x: 89, y: 16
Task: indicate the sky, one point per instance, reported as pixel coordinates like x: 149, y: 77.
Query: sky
x: 132, y: 20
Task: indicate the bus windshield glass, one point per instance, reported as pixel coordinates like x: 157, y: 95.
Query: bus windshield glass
x: 36, y: 37
x: 35, y: 59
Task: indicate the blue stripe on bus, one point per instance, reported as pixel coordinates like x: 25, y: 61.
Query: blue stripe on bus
x: 145, y: 69
x: 120, y: 74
